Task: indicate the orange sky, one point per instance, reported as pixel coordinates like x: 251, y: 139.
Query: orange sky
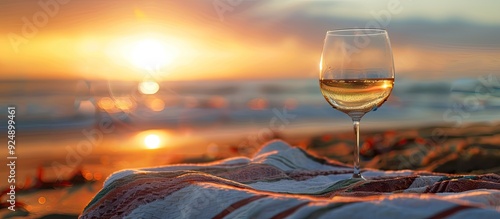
x: 187, y: 40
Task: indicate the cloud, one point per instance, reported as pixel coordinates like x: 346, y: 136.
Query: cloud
x: 481, y: 11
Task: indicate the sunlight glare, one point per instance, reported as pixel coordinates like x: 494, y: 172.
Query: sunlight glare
x: 148, y: 87
x: 42, y: 200
x: 149, y: 54
x: 106, y: 103
x: 153, y: 139
x: 156, y: 104
x: 124, y: 103
x: 386, y: 85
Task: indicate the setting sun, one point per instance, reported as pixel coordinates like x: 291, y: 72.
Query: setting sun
x: 150, y: 54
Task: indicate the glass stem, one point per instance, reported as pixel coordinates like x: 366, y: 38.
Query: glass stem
x: 356, y: 173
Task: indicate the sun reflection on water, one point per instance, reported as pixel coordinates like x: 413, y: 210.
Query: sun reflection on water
x: 152, y: 139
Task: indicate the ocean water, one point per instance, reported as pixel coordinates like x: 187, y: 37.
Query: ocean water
x: 73, y: 104
x: 62, y: 119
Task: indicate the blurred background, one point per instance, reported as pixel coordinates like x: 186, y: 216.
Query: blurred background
x: 101, y: 86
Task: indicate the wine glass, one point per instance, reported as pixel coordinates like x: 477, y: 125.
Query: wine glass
x: 356, y: 74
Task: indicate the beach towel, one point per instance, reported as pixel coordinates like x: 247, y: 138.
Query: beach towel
x: 281, y: 181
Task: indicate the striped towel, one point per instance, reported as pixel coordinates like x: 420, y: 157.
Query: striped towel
x: 281, y: 181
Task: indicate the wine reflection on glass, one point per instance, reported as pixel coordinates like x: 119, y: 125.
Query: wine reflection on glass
x: 356, y: 74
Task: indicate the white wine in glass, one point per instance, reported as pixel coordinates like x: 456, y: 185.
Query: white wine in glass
x: 356, y: 74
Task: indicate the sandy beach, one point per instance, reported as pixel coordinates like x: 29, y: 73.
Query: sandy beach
x: 471, y: 149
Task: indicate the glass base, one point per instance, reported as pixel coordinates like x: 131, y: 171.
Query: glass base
x: 358, y: 176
